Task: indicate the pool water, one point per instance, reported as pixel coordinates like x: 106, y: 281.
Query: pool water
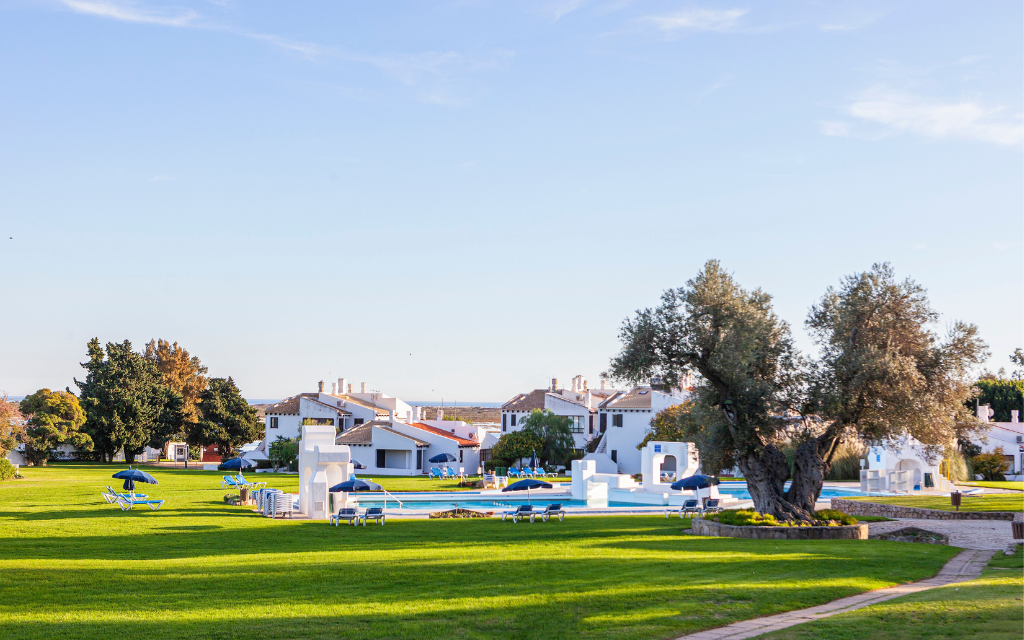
x: 474, y: 500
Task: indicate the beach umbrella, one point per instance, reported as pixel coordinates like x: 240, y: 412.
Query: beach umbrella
x: 526, y: 485
x: 351, y: 486
x: 136, y: 475
x: 533, y: 460
x: 443, y: 457
x: 694, y: 482
x: 129, y: 485
x: 358, y: 465
x: 238, y: 463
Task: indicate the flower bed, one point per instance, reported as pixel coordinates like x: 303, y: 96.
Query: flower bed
x: 461, y: 513
x: 751, y: 518
x: 701, y: 527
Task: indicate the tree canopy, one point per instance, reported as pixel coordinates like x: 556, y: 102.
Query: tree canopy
x: 555, y: 432
x: 882, y: 374
x: 55, y: 419
x: 182, y: 373
x: 515, y: 445
x: 226, y: 419
x: 10, y: 432
x: 124, y: 399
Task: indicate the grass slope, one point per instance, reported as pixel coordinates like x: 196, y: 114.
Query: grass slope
x: 1015, y: 485
x: 72, y: 566
x: 989, y: 608
x: 994, y: 502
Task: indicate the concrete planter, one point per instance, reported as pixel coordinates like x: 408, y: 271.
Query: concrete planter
x: 861, y: 508
x: 701, y: 527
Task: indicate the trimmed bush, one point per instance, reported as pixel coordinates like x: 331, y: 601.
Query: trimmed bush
x: 751, y: 518
x: 7, y: 471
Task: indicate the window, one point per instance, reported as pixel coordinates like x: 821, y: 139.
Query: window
x: 615, y: 455
x: 576, y: 424
x: 273, y: 423
x: 513, y: 419
x: 329, y: 421
x: 381, y: 460
x: 604, y: 422
x: 591, y: 424
x: 504, y: 421
x: 357, y: 421
x: 419, y: 458
x: 616, y: 419
x: 460, y: 455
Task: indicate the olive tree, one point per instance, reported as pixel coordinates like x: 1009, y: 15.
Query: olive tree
x: 882, y: 374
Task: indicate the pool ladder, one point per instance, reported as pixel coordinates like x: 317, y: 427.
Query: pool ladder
x: 388, y: 493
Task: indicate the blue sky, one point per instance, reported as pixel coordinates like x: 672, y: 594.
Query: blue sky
x: 465, y: 199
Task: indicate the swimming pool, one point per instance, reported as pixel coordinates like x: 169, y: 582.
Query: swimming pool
x: 488, y: 502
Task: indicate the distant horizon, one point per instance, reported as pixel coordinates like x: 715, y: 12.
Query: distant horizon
x: 414, y: 403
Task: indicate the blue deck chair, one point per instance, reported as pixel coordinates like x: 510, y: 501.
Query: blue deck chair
x: 347, y: 514
x: 126, y: 504
x: 374, y: 513
x: 111, y: 496
x: 252, y: 485
x: 689, y: 506
x: 513, y: 472
x: 551, y: 511
x: 228, y: 482
x: 436, y: 473
x: 522, y: 512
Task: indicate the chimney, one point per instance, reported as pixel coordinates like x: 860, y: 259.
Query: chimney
x: 321, y: 386
x: 586, y: 387
x: 349, y: 389
x: 362, y: 387
x: 334, y: 388
x: 341, y: 385
x: 440, y: 415
x: 408, y: 415
x: 602, y: 384
x: 415, y: 414
x: 554, y: 384
x: 1013, y: 415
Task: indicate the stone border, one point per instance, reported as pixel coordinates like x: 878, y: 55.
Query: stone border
x: 863, y: 508
x: 702, y: 527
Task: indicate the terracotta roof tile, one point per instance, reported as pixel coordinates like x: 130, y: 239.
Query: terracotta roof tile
x: 463, y: 442
x: 363, y: 434
x: 639, y: 398
x: 288, y: 406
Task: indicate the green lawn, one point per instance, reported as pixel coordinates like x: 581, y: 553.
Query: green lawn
x: 72, y: 566
x: 989, y: 608
x: 992, y: 502
x: 1015, y: 485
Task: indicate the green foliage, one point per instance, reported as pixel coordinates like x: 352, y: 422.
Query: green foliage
x: 751, y: 518
x: 55, y: 420
x: 7, y: 471
x: 283, y: 451
x: 670, y: 425
x: 226, y: 418
x: 991, y: 466
x: 554, y: 432
x: 9, y: 431
x: 124, y: 399
x: 1002, y: 396
x: 516, y: 445
x: 184, y: 375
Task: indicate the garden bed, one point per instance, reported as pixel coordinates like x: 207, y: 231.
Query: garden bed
x: 912, y: 534
x: 887, y: 510
x: 702, y: 527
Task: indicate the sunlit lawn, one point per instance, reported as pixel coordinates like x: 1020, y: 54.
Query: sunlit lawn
x: 1015, y: 485
x: 989, y: 608
x: 72, y: 566
x: 992, y: 502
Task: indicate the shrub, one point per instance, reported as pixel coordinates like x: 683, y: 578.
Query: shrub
x: 7, y: 471
x: 751, y: 518
x: 837, y: 515
x: 991, y: 466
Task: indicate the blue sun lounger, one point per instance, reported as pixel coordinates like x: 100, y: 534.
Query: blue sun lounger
x: 112, y: 496
x: 551, y: 511
x: 523, y: 512
x: 374, y: 513
x: 127, y: 503
x: 348, y: 514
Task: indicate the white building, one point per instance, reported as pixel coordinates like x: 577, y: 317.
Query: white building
x: 579, y: 403
x: 1008, y: 435
x: 623, y: 421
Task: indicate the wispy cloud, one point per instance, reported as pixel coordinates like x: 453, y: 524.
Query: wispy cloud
x: 699, y: 19
x: 131, y: 12
x: 936, y: 118
x: 563, y: 7
x: 832, y: 128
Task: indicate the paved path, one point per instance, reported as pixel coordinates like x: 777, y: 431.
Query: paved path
x: 967, y: 565
x: 966, y: 534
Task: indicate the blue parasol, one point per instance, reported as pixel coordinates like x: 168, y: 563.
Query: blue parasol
x: 526, y: 485
x: 238, y: 463
x: 694, y: 482
x: 350, y: 486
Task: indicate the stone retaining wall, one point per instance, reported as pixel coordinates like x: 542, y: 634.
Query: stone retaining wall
x: 701, y: 527
x: 861, y: 508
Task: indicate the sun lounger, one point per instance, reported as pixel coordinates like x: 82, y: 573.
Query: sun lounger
x: 347, y: 514
x: 524, y: 511
x: 252, y: 485
x: 280, y: 504
x: 127, y: 503
x: 711, y: 506
x: 436, y: 473
x: 551, y: 511
x: 513, y: 472
x: 451, y: 473
x: 374, y: 513
x: 689, y: 506
x: 229, y: 482
x: 537, y: 471
x: 111, y: 496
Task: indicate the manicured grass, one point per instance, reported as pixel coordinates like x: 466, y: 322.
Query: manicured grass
x: 872, y: 519
x: 1015, y: 485
x: 989, y: 608
x: 72, y: 566
x: 994, y: 502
